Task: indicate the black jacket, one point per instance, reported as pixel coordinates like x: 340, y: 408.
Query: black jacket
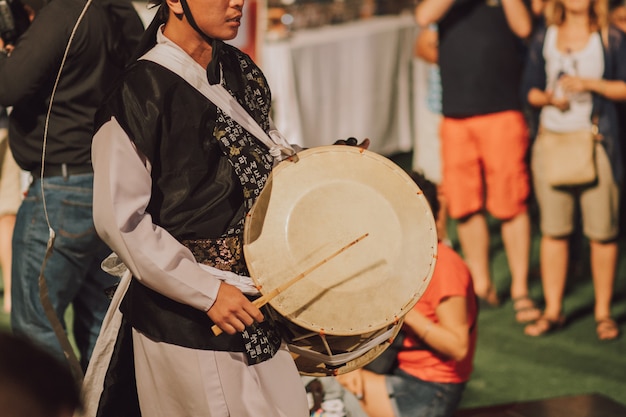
x: 104, y: 40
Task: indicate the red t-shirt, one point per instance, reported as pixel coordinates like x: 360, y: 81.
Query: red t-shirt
x: 451, y: 277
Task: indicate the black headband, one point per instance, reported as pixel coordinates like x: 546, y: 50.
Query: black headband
x: 213, y: 69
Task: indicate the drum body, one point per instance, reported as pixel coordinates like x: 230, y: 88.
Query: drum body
x: 346, y: 310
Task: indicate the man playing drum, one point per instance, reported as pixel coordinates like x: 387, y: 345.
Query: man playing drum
x: 174, y: 178
x: 177, y: 168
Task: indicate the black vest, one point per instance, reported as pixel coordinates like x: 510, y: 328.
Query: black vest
x: 201, y: 171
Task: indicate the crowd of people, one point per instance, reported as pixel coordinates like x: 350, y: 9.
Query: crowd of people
x: 99, y: 106
x: 550, y: 47
x: 556, y: 66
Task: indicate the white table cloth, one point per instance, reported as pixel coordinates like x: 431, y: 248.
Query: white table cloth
x: 353, y: 79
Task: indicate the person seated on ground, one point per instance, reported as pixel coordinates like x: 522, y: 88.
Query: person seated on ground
x: 33, y: 383
x: 435, y: 359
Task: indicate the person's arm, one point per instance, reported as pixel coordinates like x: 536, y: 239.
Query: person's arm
x: 33, y: 60
x: 431, y: 11
x: 427, y: 45
x: 611, y: 89
x: 450, y: 336
x: 518, y: 17
x: 537, y: 7
x: 122, y: 191
x: 539, y: 98
x: 533, y: 86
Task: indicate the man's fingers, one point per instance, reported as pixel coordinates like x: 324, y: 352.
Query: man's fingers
x: 238, y: 324
x: 242, y: 319
x: 226, y: 328
x: 232, y: 312
x: 254, y: 313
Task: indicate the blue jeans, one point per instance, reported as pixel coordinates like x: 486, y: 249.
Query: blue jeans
x: 413, y: 397
x: 73, y: 274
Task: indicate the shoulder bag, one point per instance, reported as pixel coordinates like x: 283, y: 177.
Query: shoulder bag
x: 569, y: 157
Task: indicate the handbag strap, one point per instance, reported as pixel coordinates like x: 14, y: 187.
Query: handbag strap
x: 170, y: 56
x: 595, y: 129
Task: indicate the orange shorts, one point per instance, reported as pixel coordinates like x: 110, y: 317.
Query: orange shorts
x: 484, y: 164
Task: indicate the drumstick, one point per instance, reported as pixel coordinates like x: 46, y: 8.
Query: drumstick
x: 266, y: 298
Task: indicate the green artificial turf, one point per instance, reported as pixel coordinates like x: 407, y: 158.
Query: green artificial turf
x: 510, y: 366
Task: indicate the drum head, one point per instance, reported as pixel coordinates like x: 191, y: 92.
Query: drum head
x: 311, y: 208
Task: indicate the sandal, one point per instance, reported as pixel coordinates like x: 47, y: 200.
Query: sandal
x: 544, y: 325
x: 607, y: 329
x: 525, y: 310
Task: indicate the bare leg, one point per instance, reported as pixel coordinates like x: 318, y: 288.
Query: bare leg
x: 516, y: 239
x: 7, y: 223
x: 474, y: 238
x: 603, y: 265
x: 554, y: 255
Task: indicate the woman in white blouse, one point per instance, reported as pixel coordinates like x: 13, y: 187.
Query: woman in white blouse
x: 577, y: 68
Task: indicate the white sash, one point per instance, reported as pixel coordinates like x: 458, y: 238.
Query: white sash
x: 170, y: 56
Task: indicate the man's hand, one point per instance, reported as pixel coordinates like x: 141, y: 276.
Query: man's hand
x: 353, y: 142
x: 232, y: 311
x: 6, y: 48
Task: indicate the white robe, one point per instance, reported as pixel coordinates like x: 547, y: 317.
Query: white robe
x: 173, y: 380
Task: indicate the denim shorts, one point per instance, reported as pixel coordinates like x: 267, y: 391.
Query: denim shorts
x: 413, y: 397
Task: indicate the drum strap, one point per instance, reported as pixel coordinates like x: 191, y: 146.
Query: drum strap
x: 343, y: 358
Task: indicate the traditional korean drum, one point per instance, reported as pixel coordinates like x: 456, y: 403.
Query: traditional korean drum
x: 347, y: 305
